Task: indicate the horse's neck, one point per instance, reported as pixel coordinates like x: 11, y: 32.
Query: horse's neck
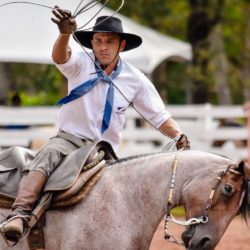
x: 146, y: 181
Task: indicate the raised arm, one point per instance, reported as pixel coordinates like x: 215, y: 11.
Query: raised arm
x: 67, y: 26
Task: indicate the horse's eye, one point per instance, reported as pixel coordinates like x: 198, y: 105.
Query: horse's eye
x: 228, y: 189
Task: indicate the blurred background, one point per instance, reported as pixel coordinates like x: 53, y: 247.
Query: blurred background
x: 217, y: 32
x: 196, y: 52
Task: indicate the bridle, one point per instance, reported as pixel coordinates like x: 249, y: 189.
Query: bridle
x: 193, y: 221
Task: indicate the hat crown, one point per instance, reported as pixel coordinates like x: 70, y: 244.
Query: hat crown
x: 108, y: 24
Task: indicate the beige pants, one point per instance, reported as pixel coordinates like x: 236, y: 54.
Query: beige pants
x: 52, y: 153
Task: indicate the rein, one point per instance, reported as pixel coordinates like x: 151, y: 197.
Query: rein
x: 193, y: 221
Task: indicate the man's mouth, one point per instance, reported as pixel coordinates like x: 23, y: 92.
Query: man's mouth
x: 104, y: 55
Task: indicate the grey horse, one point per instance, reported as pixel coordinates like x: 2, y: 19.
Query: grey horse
x: 125, y: 207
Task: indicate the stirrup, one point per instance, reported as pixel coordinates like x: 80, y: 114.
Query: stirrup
x: 26, y: 229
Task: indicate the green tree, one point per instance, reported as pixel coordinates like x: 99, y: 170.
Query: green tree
x: 168, y: 17
x: 37, y: 84
x: 219, y: 31
x: 204, y: 16
x: 4, y: 83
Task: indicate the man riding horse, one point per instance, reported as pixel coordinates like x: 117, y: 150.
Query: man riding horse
x: 101, y: 87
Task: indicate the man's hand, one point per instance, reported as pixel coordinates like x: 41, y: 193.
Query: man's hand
x: 64, y: 20
x: 183, y: 142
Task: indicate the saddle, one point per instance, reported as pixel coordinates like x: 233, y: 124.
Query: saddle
x: 68, y: 184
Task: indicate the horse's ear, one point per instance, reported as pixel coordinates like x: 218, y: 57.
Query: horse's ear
x: 244, y: 167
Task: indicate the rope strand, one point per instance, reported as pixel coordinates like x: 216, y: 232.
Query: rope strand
x: 93, y: 16
x: 25, y: 2
x: 90, y: 5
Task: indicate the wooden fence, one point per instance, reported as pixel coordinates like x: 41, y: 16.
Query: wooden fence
x: 218, y: 129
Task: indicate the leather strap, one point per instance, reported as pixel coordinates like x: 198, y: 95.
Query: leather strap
x: 36, y: 235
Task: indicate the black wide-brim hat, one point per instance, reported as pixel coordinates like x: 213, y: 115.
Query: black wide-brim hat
x: 109, y: 25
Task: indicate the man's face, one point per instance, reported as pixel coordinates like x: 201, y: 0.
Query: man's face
x: 106, y: 47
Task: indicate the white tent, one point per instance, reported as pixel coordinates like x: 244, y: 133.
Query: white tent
x: 28, y: 35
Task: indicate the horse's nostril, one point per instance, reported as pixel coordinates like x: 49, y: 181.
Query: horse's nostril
x: 186, y: 240
x: 187, y: 235
x: 205, y: 243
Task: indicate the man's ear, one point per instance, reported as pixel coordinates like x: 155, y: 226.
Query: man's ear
x: 123, y: 45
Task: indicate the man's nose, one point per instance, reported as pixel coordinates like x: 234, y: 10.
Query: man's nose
x: 103, y: 46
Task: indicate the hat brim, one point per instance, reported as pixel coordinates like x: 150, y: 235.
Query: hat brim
x: 85, y: 37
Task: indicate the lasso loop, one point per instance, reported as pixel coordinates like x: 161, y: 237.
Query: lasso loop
x: 78, y: 11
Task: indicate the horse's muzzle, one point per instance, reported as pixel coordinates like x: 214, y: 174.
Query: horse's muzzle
x: 203, y: 244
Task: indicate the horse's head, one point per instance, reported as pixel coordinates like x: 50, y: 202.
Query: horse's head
x: 218, y: 200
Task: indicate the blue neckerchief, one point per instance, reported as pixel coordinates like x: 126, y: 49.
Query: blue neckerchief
x: 85, y: 87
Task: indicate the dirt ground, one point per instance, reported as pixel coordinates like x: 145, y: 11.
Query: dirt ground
x: 237, y: 237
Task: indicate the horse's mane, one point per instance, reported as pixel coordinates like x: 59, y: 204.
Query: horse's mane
x: 125, y: 159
